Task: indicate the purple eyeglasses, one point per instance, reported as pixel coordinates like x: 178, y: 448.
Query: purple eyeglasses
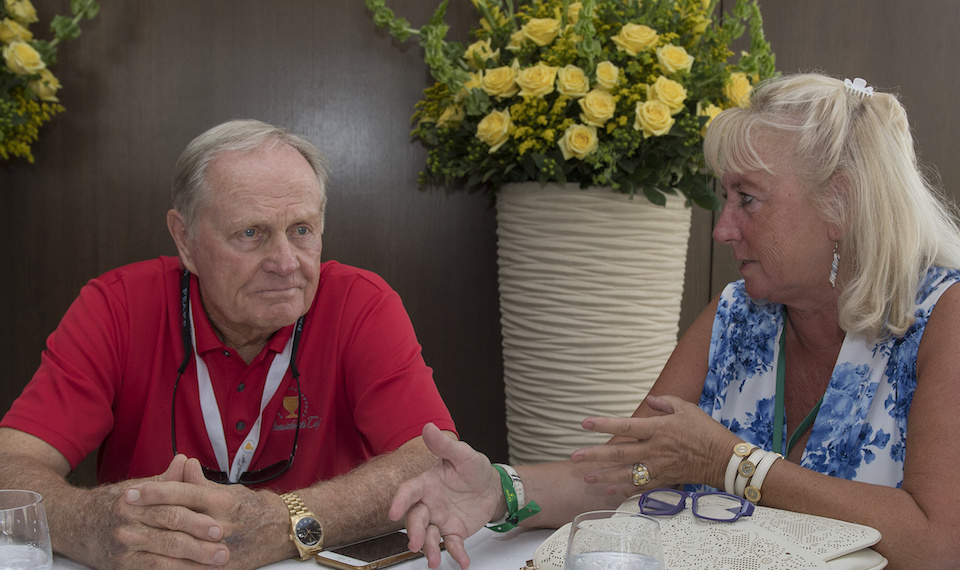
x: 708, y: 505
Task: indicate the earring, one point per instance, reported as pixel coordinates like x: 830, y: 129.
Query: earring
x: 835, y: 265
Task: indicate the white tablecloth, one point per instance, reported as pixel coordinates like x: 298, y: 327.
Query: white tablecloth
x: 510, y: 551
x: 488, y: 550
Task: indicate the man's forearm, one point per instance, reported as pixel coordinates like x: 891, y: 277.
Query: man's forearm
x: 72, y: 528
x: 355, y: 505
x: 256, y: 525
x: 99, y: 527
x: 350, y: 507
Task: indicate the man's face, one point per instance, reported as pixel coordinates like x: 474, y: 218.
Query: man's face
x: 256, y: 245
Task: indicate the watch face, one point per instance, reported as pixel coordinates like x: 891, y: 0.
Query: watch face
x: 308, y: 531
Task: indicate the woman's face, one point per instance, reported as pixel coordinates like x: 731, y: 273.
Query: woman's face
x: 780, y: 241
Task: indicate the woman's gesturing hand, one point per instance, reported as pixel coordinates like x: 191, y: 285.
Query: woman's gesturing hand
x: 680, y: 445
x: 452, y: 500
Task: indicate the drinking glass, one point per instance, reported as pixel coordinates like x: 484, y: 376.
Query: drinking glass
x: 614, y: 540
x: 24, y: 536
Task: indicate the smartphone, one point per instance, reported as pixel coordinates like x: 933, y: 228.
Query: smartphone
x: 376, y: 552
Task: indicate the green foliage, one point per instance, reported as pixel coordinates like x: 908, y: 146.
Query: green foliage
x: 28, y: 88
x: 483, y: 123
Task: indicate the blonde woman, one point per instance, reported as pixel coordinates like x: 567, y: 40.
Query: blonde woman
x: 798, y: 386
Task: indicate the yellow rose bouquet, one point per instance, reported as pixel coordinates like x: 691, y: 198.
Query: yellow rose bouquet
x: 613, y: 93
x: 28, y: 89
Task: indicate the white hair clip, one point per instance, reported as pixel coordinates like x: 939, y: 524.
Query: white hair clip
x: 858, y: 87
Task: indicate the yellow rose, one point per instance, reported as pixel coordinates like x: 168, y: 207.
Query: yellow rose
x: 452, y: 114
x: 22, y: 11
x: 669, y: 92
x: 737, y: 89
x: 494, y: 129
x: 653, y: 118
x: 700, y: 25
x: 634, y: 38
x: 475, y: 81
x: 573, y: 12
x: 541, y: 31
x: 598, y: 107
x: 537, y: 81
x: 46, y: 87
x: 674, y: 58
x: 22, y: 59
x: 481, y: 51
x: 572, y: 81
x: 516, y: 40
x: 11, y: 31
x: 500, y: 82
x: 607, y: 75
x: 579, y: 141
x: 710, y: 113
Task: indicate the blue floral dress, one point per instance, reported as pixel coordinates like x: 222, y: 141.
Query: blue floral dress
x: 860, y: 431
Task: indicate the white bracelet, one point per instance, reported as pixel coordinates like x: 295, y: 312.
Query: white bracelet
x: 746, y: 470
x: 731, y: 473
x: 517, y: 484
x: 517, y: 488
x: 740, y: 452
x: 752, y: 492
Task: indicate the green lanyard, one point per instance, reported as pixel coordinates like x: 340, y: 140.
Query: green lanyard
x: 778, y: 412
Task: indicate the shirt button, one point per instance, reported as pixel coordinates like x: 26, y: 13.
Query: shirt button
x: 226, y: 353
x: 241, y: 387
x: 240, y: 425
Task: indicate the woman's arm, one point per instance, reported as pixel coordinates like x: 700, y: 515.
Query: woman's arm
x: 918, y: 522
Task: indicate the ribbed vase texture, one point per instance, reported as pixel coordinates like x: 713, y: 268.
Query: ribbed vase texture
x: 590, y: 289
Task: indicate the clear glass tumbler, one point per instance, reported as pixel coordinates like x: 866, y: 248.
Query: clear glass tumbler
x: 24, y: 535
x: 614, y: 540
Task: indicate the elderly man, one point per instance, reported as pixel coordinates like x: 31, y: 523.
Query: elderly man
x: 245, y: 360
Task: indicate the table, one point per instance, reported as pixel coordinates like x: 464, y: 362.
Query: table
x: 488, y: 550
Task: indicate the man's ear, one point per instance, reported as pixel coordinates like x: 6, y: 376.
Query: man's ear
x: 178, y: 230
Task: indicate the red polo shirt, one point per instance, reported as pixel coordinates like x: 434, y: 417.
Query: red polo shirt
x: 107, y: 377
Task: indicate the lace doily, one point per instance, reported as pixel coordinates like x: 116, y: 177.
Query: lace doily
x: 770, y: 539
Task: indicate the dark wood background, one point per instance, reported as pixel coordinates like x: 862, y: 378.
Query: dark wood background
x: 149, y: 75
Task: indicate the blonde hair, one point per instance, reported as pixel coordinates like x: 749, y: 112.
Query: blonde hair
x: 856, y: 158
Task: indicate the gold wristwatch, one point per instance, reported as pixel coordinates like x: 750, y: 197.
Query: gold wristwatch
x: 306, y: 533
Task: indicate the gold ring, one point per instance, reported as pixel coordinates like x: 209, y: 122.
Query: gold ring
x: 641, y: 475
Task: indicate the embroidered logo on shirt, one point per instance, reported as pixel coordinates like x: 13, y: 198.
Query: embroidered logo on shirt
x: 290, y: 404
x: 286, y: 418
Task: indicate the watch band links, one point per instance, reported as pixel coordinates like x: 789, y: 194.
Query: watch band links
x: 294, y: 504
x: 303, y: 520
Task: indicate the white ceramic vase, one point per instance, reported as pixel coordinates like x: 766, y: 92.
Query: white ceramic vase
x: 590, y: 289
